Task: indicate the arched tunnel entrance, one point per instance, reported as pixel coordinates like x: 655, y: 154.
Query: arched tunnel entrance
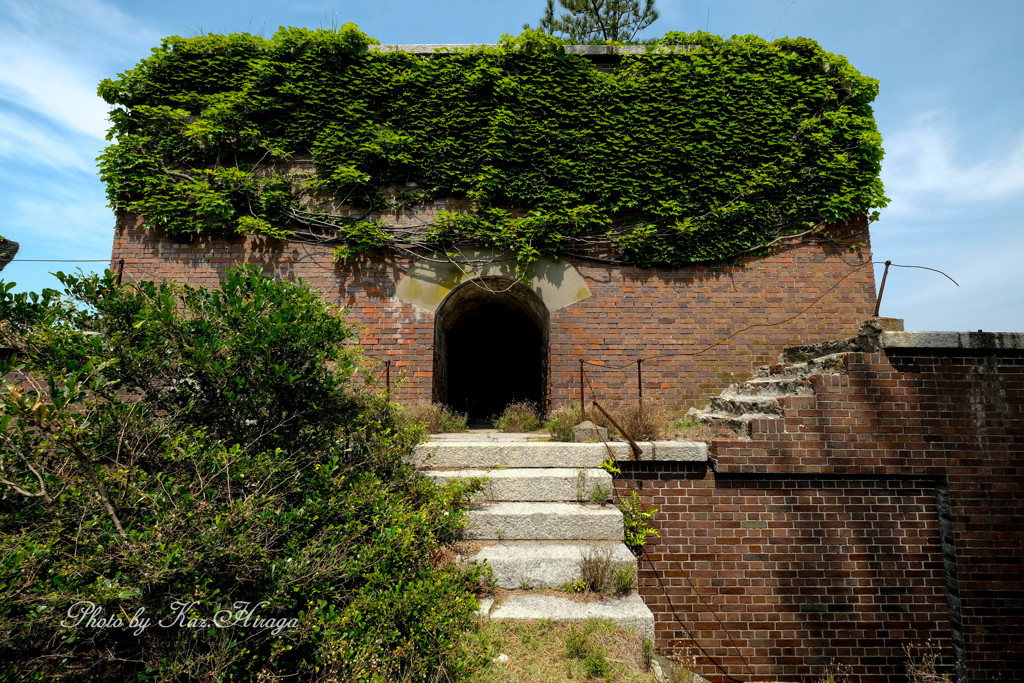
x: 490, y: 347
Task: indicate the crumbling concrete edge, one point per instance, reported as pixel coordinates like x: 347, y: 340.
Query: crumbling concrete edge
x: 952, y: 340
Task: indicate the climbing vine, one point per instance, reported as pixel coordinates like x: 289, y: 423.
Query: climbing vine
x: 697, y: 149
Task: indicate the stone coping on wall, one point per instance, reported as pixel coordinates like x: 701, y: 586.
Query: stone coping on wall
x: 470, y: 450
x: 952, y: 340
x: 585, y: 50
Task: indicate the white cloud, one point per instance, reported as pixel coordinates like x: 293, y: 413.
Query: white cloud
x: 927, y: 165
x: 28, y: 143
x: 54, y: 52
x: 52, y: 89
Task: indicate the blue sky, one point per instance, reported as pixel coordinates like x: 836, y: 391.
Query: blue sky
x: 952, y: 93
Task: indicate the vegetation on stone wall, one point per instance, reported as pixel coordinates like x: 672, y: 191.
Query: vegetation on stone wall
x: 698, y: 149
x: 193, y: 486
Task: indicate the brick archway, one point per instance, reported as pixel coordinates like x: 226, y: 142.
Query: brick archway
x: 490, y: 347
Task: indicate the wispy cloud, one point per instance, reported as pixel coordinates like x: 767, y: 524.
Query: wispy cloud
x: 55, y: 51
x: 30, y: 144
x: 927, y: 164
x: 51, y: 88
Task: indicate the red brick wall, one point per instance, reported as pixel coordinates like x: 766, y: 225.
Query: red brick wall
x: 839, y: 504
x: 632, y: 312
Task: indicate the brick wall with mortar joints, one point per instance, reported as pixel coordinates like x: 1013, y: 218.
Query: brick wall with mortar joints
x: 632, y: 312
x: 936, y: 415
x: 800, y: 573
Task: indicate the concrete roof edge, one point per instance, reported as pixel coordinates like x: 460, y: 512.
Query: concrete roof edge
x: 584, y: 50
x: 952, y: 340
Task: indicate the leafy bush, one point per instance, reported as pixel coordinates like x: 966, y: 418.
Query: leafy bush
x: 518, y: 417
x: 636, y: 518
x: 562, y: 420
x: 203, y: 460
x: 437, y: 417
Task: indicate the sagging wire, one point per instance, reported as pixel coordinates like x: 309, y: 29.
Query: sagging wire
x: 740, y: 331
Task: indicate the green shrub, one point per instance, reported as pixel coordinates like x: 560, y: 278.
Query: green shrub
x: 518, y: 417
x: 209, y: 448
x: 562, y: 420
x: 624, y: 580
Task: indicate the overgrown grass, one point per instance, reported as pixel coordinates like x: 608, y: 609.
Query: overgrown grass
x: 596, y: 569
x: 644, y: 421
x: 562, y: 420
x: 686, y: 429
x: 551, y: 652
x: 436, y: 416
x: 518, y: 417
x: 923, y: 665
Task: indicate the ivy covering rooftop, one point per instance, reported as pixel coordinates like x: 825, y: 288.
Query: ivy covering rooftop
x: 697, y: 149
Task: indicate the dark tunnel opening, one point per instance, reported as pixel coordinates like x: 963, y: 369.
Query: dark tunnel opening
x: 490, y: 348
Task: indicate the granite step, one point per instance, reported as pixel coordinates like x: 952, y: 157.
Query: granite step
x: 544, y: 522
x: 628, y: 611
x: 549, y: 564
x: 744, y: 405
x: 553, y: 484
x: 453, y: 454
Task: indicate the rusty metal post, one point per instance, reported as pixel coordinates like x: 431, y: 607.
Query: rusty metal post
x: 640, y: 380
x: 387, y: 378
x: 583, y: 410
x: 120, y: 272
x: 633, y: 448
x: 881, y: 288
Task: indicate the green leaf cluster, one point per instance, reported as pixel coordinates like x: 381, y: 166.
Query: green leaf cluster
x: 698, y: 149
x: 637, y: 520
x: 214, y: 447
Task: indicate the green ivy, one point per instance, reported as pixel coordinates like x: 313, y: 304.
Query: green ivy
x: 698, y: 149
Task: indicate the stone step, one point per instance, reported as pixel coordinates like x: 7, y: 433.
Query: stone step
x: 802, y: 354
x: 550, y: 564
x: 452, y: 454
x: 544, y: 522
x: 775, y: 387
x: 629, y: 611
x: 470, y: 454
x: 738, y: 423
x: 744, y: 405
x: 832, y: 364
x: 536, y: 484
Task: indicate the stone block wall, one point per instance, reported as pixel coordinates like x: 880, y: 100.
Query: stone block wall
x: 656, y: 314
x: 888, y: 509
